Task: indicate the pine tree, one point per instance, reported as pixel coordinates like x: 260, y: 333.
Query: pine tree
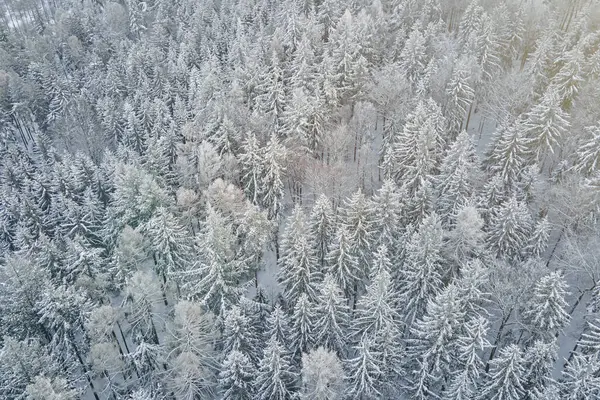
x: 470, y: 345
x: 471, y: 21
x: 236, y: 377
x: 434, y: 336
x: 214, y: 277
x: 587, y: 156
x: 321, y: 228
x: 545, y: 126
x: 275, y: 378
x: 322, y: 376
x: 415, y: 152
x: 299, y: 273
x: 387, y: 210
x: 366, y: 376
x: 458, y: 177
x: 569, y: 79
x: 278, y: 326
x: 413, y: 57
x: 348, y: 66
x: 539, y: 239
x: 332, y: 316
x: 467, y: 239
x: 169, y: 242
x: 509, y: 153
x: 510, y: 227
x: 460, y: 94
x: 251, y: 163
x: 422, y: 273
x: 505, y: 380
x: 273, y: 167
x: 546, y: 311
x: 580, y: 379
x: 375, y: 312
x: 356, y: 216
x: 539, y: 366
x: 343, y: 263
x: 302, y: 336
x: 239, y: 334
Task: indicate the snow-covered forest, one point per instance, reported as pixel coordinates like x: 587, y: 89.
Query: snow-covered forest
x: 299, y: 199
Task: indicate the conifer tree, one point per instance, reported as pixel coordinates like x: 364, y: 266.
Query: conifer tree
x: 387, y: 209
x: 169, y: 241
x: 469, y: 365
x: 302, y: 336
x: 510, y: 227
x: 343, y: 263
x: 239, y: 335
x: 332, y: 314
x: 507, y: 372
x: 273, y: 167
x: 509, y: 153
x: 546, y: 310
x: 545, y: 126
x: 278, y: 326
x: 422, y: 272
x: 580, y: 380
x: 299, y: 273
x: 322, y: 228
x: 275, y: 377
x: 458, y: 177
x: 251, y: 164
x: 587, y: 156
x: 539, y: 364
x: 236, y: 377
x: 366, y: 376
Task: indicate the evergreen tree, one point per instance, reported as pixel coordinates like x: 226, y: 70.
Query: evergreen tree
x: 422, y: 273
x: 356, y: 216
x: 469, y: 365
x: 332, y: 314
x: 587, y: 156
x: 507, y: 372
x: 539, y: 239
x: 580, y: 380
x: 299, y: 273
x: 539, y: 365
x: 302, y: 337
x: 321, y: 228
x: 545, y: 126
x: 236, y: 377
x: 366, y: 376
x: 510, y: 228
x: 251, y: 163
x: 509, y: 153
x: 546, y: 311
x: 278, y: 326
x: 343, y: 263
x: 239, y: 335
x: 434, y: 336
x: 170, y: 243
x: 274, y: 169
x: 458, y: 177
x: 388, y: 205
x: 275, y: 377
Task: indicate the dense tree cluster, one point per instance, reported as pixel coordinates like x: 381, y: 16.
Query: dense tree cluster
x: 299, y: 199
